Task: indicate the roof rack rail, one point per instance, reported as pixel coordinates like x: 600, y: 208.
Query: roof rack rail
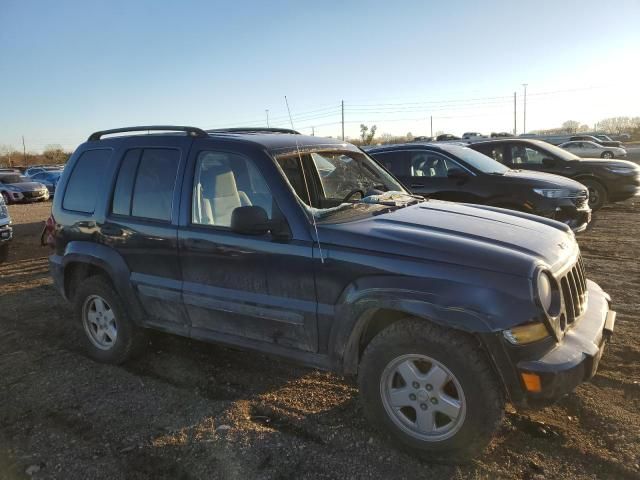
x: 253, y: 130
x: 193, y: 131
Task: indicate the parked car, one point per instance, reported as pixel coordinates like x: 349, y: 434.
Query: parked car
x: 595, y: 139
x: 31, y: 171
x: 501, y: 134
x: 607, y: 180
x: 459, y: 174
x: 472, y: 135
x: 446, y: 137
x: 304, y: 247
x: 16, y: 188
x: 49, y: 179
x: 6, y: 232
x: 593, y: 150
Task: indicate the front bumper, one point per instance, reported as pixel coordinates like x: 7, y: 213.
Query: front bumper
x: 567, y: 363
x: 6, y: 234
x: 27, y: 197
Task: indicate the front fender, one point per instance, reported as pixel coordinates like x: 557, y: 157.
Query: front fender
x: 464, y: 305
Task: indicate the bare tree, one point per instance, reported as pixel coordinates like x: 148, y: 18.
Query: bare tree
x: 367, y: 134
x: 571, y: 126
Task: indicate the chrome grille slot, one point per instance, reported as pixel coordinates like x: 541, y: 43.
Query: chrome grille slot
x: 574, y: 291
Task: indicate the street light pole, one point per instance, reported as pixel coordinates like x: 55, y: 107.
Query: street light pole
x: 524, y: 120
x: 267, y: 112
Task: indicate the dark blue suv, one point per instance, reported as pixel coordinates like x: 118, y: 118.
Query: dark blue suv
x: 306, y: 248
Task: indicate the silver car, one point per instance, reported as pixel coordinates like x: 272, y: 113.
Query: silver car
x: 592, y: 149
x: 18, y: 189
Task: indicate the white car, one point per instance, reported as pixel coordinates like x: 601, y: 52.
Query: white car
x: 593, y: 149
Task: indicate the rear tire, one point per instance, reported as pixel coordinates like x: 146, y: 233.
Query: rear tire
x: 110, y: 336
x: 431, y: 391
x: 597, y: 193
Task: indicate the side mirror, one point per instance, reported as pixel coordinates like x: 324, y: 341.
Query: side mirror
x: 250, y: 220
x: 549, y: 162
x: 457, y: 174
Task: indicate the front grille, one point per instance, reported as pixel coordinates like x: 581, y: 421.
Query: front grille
x: 574, y: 292
x: 32, y: 194
x: 580, y: 199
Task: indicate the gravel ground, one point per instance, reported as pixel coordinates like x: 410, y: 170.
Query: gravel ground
x: 189, y: 410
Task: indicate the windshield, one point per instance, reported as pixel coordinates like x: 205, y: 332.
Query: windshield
x: 343, y: 184
x: 476, y: 160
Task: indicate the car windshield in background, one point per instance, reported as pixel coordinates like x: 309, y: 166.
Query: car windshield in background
x: 347, y: 184
x: 476, y: 159
x: 557, y: 151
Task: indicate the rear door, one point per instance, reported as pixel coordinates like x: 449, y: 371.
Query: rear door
x: 142, y: 224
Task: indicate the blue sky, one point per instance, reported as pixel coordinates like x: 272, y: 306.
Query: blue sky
x: 70, y: 67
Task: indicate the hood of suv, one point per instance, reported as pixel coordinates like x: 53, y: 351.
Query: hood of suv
x: 543, y: 179
x: 467, y: 235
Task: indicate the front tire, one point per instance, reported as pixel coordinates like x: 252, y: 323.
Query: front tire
x: 7, y: 200
x: 110, y: 336
x: 431, y: 390
x: 607, y: 155
x: 597, y: 193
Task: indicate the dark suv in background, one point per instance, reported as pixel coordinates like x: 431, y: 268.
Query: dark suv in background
x: 607, y: 180
x: 306, y: 248
x: 459, y: 174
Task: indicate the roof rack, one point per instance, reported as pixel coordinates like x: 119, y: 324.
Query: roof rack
x: 253, y: 130
x: 193, y: 131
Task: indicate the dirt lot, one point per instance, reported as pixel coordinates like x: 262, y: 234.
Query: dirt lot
x: 191, y: 410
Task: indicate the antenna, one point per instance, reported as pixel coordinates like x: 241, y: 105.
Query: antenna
x: 306, y: 185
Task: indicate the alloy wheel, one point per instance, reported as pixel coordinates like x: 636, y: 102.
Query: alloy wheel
x: 99, y: 322
x: 423, y: 397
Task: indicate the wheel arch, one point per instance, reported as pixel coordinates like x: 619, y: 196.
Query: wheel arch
x: 85, y: 259
x: 370, y: 316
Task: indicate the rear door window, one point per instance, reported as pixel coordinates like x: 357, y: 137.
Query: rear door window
x: 86, y: 180
x: 146, y: 182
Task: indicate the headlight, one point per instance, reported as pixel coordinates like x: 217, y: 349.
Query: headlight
x: 547, y: 293
x: 553, y: 192
x: 528, y: 333
x: 622, y: 170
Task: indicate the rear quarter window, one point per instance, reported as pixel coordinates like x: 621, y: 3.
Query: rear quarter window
x: 85, y: 181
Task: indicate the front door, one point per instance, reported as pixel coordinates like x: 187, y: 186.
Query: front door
x: 242, y: 289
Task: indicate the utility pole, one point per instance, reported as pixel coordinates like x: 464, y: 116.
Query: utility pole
x: 343, y: 120
x: 524, y: 120
x: 515, y: 118
x: 313, y: 131
x: 267, y: 112
x: 431, y: 117
x: 24, y: 152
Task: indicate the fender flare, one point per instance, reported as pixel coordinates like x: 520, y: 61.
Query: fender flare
x: 353, y: 317
x: 110, y: 261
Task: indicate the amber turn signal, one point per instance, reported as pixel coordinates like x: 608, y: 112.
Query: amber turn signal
x: 531, y: 382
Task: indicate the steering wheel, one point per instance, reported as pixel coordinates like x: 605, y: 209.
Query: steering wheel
x: 351, y: 194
